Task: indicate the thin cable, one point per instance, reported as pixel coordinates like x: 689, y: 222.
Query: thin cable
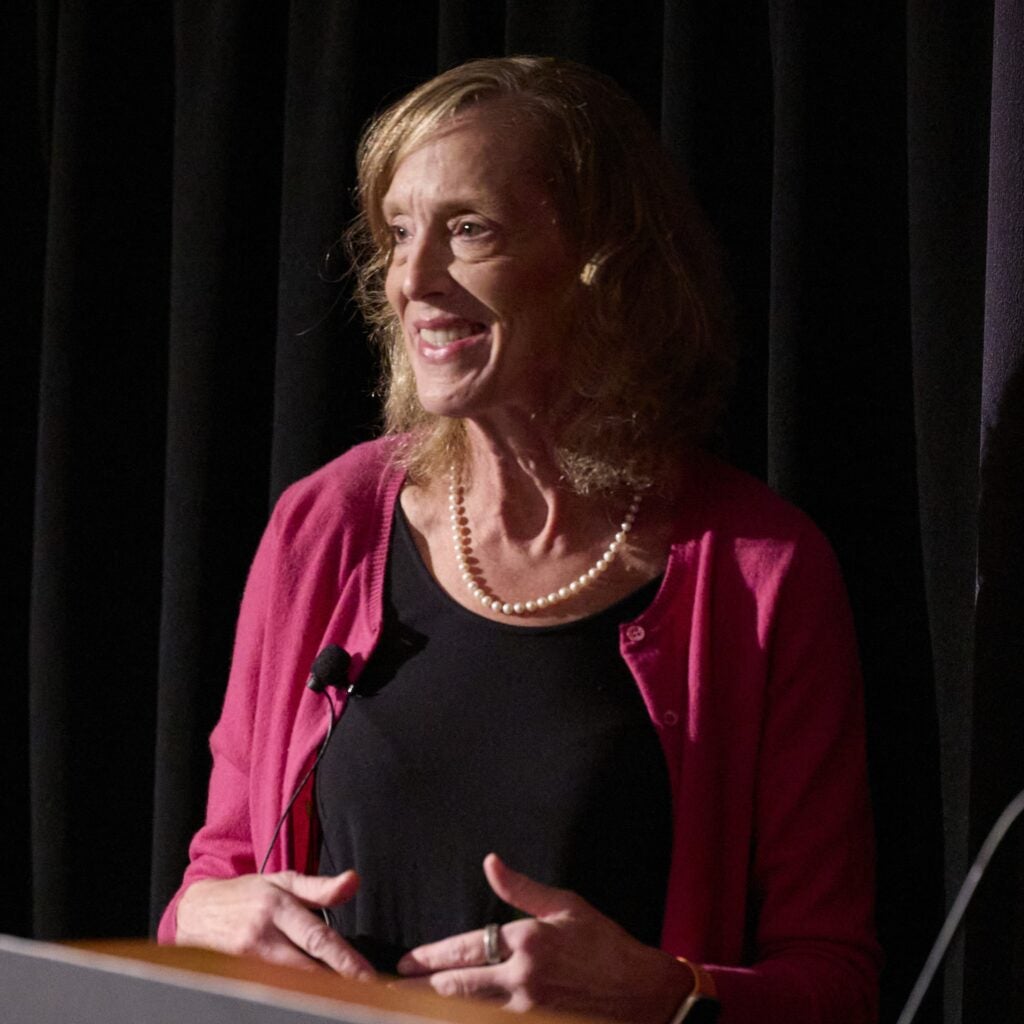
x: 956, y: 912
x: 334, y: 717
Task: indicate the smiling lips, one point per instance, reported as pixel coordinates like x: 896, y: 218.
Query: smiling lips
x: 438, y: 337
x: 443, y: 341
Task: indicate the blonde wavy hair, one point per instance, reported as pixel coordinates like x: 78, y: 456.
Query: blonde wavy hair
x: 649, y: 360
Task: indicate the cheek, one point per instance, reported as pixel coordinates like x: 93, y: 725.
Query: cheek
x: 551, y: 299
x: 535, y: 292
x: 395, y: 296
x: 392, y: 288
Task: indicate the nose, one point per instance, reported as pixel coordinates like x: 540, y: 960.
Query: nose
x: 425, y: 266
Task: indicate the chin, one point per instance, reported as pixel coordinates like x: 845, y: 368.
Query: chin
x: 450, y: 407
x: 456, y: 402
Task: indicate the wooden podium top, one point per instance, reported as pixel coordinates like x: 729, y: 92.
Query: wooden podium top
x: 139, y: 981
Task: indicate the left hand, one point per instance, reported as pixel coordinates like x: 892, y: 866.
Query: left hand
x: 566, y: 956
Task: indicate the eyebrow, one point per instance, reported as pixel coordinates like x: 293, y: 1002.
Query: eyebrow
x: 450, y: 207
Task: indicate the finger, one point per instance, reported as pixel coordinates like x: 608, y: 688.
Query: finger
x: 279, y: 949
x: 465, y: 950
x: 473, y: 982
x: 523, y: 893
x: 310, y: 934
x: 420, y: 982
x: 316, y: 891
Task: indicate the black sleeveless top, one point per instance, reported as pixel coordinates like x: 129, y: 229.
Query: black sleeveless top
x: 467, y: 736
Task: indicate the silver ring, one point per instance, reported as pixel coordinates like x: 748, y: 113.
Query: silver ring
x: 492, y: 955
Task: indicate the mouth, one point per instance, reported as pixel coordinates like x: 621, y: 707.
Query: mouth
x: 449, y: 334
x: 440, y: 342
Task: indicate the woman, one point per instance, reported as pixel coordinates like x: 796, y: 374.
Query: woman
x: 605, y: 748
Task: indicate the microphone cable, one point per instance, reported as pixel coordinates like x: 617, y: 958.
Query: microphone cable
x: 330, y: 667
x: 956, y: 912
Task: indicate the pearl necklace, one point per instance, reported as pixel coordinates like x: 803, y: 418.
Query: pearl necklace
x: 461, y: 539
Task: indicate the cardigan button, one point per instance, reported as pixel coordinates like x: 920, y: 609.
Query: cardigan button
x: 634, y: 634
x: 670, y: 718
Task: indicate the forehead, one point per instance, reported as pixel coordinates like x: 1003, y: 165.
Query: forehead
x: 483, y: 153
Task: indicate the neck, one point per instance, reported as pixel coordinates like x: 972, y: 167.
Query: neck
x: 541, y: 602
x: 513, y: 482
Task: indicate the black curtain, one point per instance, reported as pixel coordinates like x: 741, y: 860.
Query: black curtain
x: 179, y: 345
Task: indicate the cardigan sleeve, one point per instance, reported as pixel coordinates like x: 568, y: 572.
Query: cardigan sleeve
x: 815, y: 958
x: 317, y: 575
x: 223, y: 848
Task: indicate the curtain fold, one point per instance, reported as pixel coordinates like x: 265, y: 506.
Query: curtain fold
x: 995, y: 932
x: 220, y: 351
x: 97, y: 518
x: 21, y: 248
x: 949, y: 62
x: 181, y: 345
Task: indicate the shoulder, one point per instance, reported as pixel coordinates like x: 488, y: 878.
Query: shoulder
x: 352, y: 482
x: 743, y: 519
x: 737, y: 502
x: 345, y: 496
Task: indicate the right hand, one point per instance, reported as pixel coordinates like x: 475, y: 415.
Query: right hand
x: 273, y: 916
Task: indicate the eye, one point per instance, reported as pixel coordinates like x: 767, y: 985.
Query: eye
x: 468, y: 229
x: 399, y: 233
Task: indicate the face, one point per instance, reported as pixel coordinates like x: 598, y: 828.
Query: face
x: 480, y: 275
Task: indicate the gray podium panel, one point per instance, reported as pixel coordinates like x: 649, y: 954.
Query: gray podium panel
x: 42, y: 983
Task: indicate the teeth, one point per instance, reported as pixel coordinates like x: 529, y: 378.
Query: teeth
x: 438, y: 339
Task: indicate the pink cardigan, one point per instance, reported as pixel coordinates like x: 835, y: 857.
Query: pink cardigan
x: 746, y: 661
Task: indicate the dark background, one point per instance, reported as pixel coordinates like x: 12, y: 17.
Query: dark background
x: 177, y: 348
